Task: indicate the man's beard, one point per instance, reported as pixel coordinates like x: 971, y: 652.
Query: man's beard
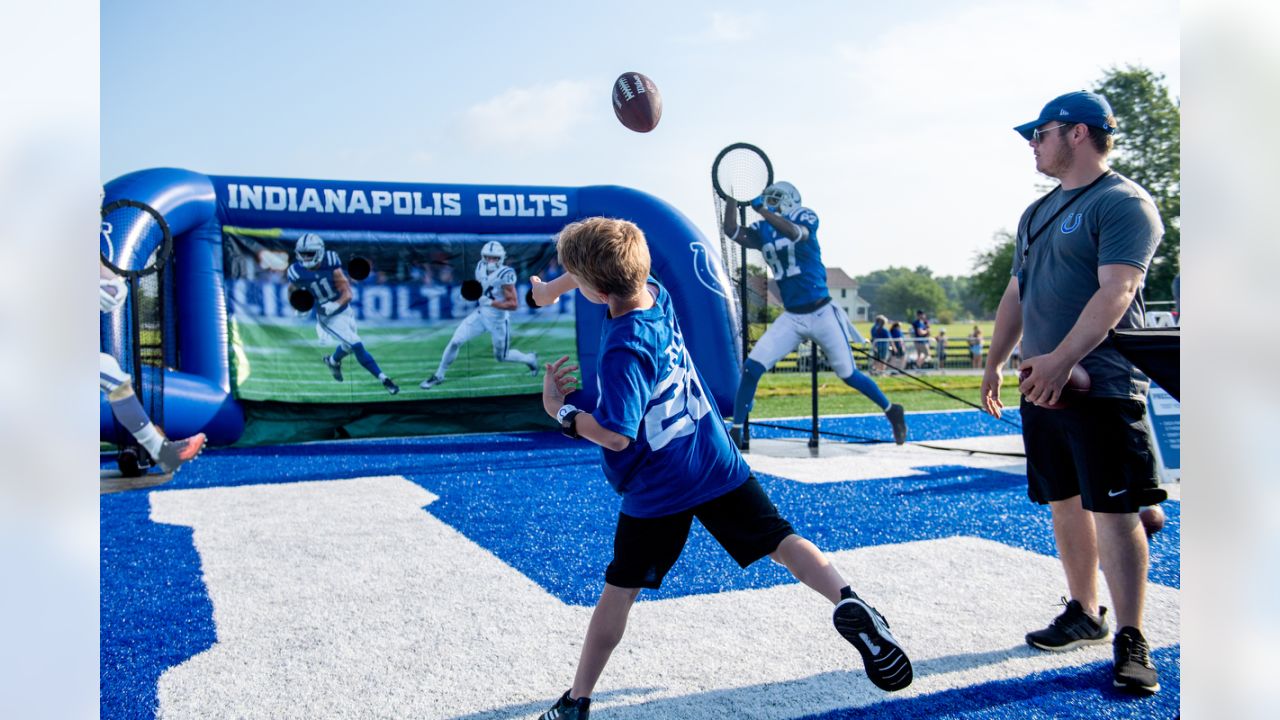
x: 1058, y: 165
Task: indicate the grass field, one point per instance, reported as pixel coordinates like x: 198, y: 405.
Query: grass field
x: 788, y: 394
x: 284, y: 362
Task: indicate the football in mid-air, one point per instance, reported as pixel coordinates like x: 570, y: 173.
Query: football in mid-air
x: 636, y: 102
x: 1078, y: 384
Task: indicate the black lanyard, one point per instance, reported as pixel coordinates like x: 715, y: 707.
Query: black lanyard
x: 1032, y: 238
x: 1026, y: 250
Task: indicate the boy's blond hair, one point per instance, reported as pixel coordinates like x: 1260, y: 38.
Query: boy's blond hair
x: 607, y: 254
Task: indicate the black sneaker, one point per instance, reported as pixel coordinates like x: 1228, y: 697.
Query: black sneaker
x: 1072, y: 629
x: 862, y: 625
x: 390, y: 385
x: 335, y: 367
x: 1133, y: 671
x: 566, y: 709
x: 431, y: 382
x: 898, y: 419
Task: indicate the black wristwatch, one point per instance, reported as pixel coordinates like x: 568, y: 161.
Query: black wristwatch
x: 566, y: 415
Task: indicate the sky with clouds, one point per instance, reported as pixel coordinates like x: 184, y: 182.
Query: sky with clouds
x: 893, y: 119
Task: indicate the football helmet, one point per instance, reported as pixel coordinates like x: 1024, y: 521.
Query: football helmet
x: 493, y: 255
x: 783, y: 196
x: 309, y: 250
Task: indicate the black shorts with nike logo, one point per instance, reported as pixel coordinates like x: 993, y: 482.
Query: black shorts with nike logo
x: 1098, y: 448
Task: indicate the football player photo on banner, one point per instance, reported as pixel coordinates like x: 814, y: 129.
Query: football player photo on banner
x: 346, y: 316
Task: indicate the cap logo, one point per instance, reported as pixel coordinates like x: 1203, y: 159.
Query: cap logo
x: 1062, y: 112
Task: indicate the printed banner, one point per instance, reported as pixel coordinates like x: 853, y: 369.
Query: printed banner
x: 388, y: 313
x: 1165, y: 415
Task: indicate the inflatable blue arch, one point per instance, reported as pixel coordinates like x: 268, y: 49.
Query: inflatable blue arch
x: 197, y: 388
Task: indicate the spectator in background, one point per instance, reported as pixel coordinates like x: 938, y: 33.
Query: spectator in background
x: 920, y: 331
x: 880, y: 345
x: 897, y: 349
x: 975, y: 347
x: 942, y: 350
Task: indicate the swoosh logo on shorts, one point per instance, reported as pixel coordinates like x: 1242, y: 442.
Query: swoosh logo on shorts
x: 1117, y: 494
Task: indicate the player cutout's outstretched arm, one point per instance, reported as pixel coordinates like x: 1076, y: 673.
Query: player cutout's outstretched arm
x: 112, y: 289
x: 343, y: 286
x: 796, y: 232
x: 745, y: 236
x: 509, y: 300
x: 558, y: 382
x: 546, y: 293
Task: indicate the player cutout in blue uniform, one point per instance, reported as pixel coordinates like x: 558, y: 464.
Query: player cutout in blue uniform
x: 319, y: 272
x: 497, y: 300
x: 665, y: 450
x: 788, y: 238
x: 125, y: 406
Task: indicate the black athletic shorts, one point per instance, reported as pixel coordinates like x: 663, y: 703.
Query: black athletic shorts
x: 1098, y: 448
x: 744, y: 521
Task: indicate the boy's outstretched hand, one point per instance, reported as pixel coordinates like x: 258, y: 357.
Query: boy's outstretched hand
x: 557, y: 382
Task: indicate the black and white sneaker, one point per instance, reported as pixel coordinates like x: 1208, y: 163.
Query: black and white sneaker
x: 1134, y: 671
x: 566, y: 709
x: 886, y: 663
x: 431, y: 382
x: 898, y: 421
x: 534, y: 369
x: 1072, y: 629
x: 738, y: 438
x: 335, y: 367
x: 390, y: 385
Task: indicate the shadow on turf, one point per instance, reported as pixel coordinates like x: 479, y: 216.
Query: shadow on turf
x: 1075, y: 692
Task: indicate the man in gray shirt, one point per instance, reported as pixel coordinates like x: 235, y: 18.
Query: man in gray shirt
x: 1081, y: 254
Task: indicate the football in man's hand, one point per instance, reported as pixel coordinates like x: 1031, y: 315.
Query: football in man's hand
x: 636, y: 102
x: 1078, y: 384
x: 1152, y: 518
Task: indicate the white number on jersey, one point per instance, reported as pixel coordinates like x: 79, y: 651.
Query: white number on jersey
x: 322, y: 290
x: 781, y: 256
x: 677, y: 416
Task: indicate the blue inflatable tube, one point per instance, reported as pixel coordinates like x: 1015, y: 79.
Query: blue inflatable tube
x: 198, y: 393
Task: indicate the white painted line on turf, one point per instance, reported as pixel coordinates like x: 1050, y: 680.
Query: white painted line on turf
x: 839, y: 462
x: 345, y: 598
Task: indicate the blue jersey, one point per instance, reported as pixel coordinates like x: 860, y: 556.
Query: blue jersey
x: 680, y: 455
x: 318, y: 280
x: 796, y: 266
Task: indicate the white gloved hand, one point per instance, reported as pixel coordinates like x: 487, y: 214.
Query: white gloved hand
x: 111, y: 293
x: 331, y: 307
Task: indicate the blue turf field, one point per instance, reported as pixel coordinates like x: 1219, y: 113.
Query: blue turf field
x: 539, y: 504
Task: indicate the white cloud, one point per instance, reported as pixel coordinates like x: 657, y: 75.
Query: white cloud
x: 535, y: 118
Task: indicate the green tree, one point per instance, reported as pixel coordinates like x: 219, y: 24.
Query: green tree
x: 991, y: 269
x: 960, y: 296
x: 1148, y: 151
x: 901, y: 296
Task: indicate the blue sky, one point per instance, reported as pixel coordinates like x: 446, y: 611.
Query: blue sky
x: 894, y: 120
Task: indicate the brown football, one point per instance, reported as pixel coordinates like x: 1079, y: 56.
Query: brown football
x: 1078, y: 384
x: 1152, y: 518
x: 636, y: 102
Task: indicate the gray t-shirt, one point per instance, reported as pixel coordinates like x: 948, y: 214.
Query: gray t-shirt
x: 1115, y: 222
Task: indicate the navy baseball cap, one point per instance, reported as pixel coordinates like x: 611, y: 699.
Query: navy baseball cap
x: 1077, y: 107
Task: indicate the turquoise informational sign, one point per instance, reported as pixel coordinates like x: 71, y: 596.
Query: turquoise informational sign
x: 1165, y: 415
